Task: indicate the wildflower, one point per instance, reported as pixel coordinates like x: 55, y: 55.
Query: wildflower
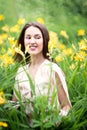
x: 64, y: 34
x: 26, y: 49
x: 72, y: 66
x: 1, y: 17
x: 15, y: 28
x: 53, y: 43
x: 40, y: 20
x: 82, y: 45
x: 11, y: 40
x: 81, y: 32
x: 3, y: 124
x: 1, y: 41
x: 59, y: 58
x: 4, y: 36
x: 21, y: 21
x: 7, y: 60
x: 5, y: 28
x: 61, y: 46
x: 2, y: 99
x: 1, y: 93
x: 11, y: 51
x: 18, y: 50
x: 67, y: 51
x: 80, y: 56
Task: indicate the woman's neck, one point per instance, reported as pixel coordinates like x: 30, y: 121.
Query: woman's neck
x: 37, y: 60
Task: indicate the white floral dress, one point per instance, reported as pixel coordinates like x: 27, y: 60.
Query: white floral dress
x: 44, y: 81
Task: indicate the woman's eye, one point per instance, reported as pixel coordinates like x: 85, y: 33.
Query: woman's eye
x: 38, y: 37
x: 27, y: 37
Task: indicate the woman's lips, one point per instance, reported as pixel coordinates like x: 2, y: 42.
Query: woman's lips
x: 32, y: 47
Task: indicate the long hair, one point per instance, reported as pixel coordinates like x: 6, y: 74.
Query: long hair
x: 45, y: 35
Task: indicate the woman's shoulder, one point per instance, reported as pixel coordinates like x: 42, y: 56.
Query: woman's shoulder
x: 57, y: 68
x: 50, y: 64
x: 22, y: 68
x: 54, y: 66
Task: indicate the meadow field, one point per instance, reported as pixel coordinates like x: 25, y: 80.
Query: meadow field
x: 67, y: 47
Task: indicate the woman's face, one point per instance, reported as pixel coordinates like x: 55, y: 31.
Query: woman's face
x: 33, y: 40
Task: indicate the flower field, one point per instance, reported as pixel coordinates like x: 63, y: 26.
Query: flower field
x: 70, y: 55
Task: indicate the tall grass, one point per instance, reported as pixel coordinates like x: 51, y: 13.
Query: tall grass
x: 74, y: 67
x: 43, y: 115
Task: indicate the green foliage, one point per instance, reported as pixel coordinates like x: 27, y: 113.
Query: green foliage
x: 7, y: 8
x: 77, y: 6
x: 59, y: 13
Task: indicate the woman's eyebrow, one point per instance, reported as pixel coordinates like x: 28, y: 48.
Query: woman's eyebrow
x: 27, y: 34
x: 37, y: 34
x: 34, y: 34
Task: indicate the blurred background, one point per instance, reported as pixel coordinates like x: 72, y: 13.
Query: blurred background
x: 69, y: 15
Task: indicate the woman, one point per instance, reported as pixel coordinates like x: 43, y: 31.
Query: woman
x: 39, y: 69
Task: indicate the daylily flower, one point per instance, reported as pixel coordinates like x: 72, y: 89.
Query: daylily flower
x: 2, y: 99
x: 81, y: 32
x: 64, y: 34
x: 40, y: 20
x: 3, y: 124
x: 21, y: 21
x: 1, y: 17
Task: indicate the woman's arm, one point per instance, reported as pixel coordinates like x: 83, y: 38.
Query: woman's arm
x: 62, y: 97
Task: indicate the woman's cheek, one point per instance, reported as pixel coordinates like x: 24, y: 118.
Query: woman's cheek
x: 26, y: 41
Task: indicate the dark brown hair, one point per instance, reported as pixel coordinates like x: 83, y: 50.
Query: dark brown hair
x: 45, y: 35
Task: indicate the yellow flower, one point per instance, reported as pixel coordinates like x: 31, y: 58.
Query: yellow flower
x: 1, y: 17
x: 81, y: 32
x: 11, y: 40
x: 40, y: 20
x: 3, y: 124
x: 67, y: 51
x: 53, y: 43
x: 2, y: 99
x: 80, y: 56
x: 64, y: 34
x: 15, y: 28
x: 4, y: 36
x: 72, y: 66
x: 1, y: 93
x: 11, y: 51
x: 59, y: 58
x: 82, y: 45
x: 21, y: 21
x: 26, y: 49
x: 1, y: 41
x: 18, y: 50
x: 5, y: 28
x: 7, y: 60
x: 61, y: 46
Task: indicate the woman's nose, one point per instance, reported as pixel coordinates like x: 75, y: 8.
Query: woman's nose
x: 32, y: 40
